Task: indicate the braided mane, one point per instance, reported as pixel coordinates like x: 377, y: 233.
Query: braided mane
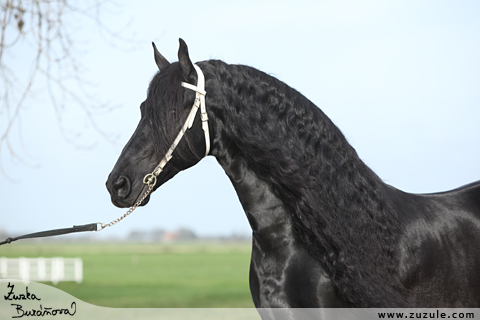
x: 338, y: 205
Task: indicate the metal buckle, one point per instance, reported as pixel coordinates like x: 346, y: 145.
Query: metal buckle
x: 150, y: 179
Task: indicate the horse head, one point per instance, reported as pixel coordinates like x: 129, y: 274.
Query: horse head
x: 163, y: 114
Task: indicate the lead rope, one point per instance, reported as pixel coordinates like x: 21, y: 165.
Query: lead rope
x: 150, y: 179
x: 132, y: 208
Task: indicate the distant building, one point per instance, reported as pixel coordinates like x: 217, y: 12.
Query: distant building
x: 169, y: 236
x: 178, y: 235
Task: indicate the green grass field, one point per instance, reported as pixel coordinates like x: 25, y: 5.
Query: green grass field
x: 150, y: 275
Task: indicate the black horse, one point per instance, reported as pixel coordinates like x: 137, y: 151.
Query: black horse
x: 327, y: 232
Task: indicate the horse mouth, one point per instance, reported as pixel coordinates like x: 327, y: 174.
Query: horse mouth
x: 121, y: 203
x: 143, y: 197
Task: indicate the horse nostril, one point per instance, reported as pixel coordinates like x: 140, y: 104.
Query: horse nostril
x: 120, y: 183
x: 122, y: 187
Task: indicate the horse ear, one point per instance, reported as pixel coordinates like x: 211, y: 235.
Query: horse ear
x: 159, y: 59
x: 185, y: 62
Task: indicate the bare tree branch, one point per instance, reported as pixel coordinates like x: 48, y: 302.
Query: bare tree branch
x: 48, y: 26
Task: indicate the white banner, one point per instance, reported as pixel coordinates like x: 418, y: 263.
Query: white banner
x: 28, y: 299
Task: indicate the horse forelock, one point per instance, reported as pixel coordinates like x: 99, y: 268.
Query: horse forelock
x: 165, y: 107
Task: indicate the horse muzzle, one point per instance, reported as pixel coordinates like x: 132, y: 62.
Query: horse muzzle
x: 122, y: 192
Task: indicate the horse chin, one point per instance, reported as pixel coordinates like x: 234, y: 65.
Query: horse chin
x: 127, y: 203
x: 139, y: 197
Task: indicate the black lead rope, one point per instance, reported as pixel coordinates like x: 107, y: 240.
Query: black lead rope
x: 85, y: 227
x: 151, y: 178
x: 54, y: 232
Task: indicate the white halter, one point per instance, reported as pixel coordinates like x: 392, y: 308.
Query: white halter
x: 151, y: 178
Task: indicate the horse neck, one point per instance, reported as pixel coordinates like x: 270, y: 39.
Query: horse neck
x: 283, y: 138
x: 266, y: 131
x: 264, y: 210
x: 261, y: 204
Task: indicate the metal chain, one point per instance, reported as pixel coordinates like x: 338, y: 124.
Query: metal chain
x: 135, y: 206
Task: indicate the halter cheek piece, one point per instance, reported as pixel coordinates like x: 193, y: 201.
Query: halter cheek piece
x: 150, y: 179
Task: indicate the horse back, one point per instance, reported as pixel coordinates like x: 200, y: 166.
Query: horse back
x: 439, y: 246
x: 467, y: 197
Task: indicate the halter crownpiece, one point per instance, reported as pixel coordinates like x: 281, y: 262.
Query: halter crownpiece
x: 199, y: 99
x: 151, y: 178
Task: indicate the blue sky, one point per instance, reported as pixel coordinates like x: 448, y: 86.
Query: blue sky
x: 401, y: 79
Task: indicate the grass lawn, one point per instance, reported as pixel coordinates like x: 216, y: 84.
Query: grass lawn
x: 200, y: 275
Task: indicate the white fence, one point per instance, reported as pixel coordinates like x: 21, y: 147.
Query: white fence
x: 42, y: 269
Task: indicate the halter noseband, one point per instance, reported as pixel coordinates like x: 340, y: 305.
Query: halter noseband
x: 151, y: 178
